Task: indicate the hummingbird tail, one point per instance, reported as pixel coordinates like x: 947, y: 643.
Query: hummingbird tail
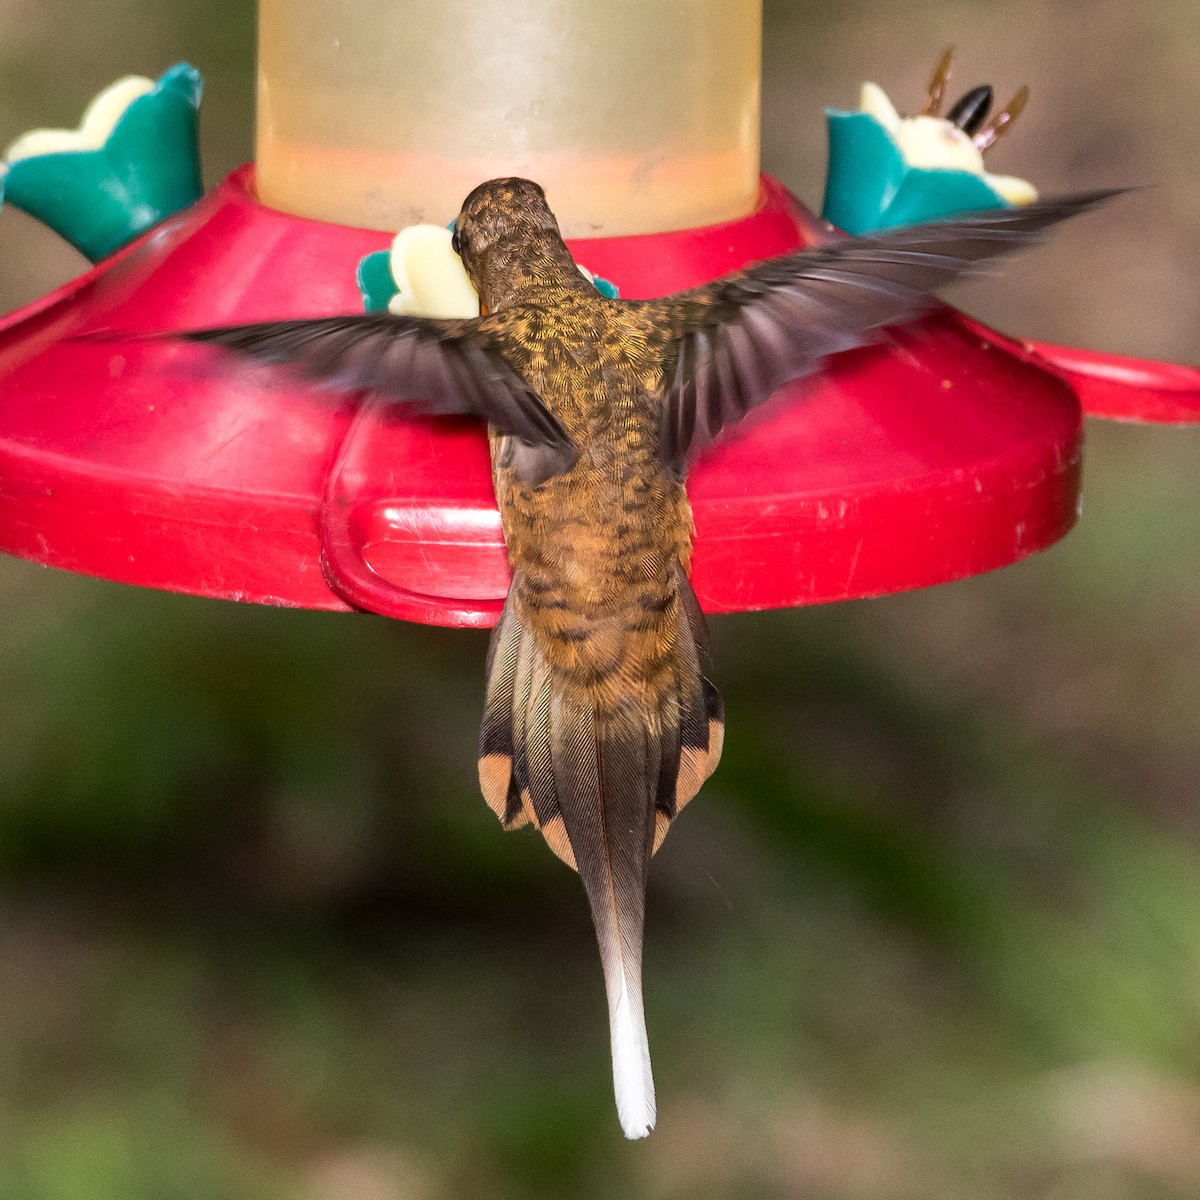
x: 605, y: 776
x: 602, y: 782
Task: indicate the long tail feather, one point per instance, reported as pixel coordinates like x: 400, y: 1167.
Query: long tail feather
x: 604, y: 780
x: 603, y: 783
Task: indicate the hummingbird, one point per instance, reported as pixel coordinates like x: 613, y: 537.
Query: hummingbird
x: 599, y: 721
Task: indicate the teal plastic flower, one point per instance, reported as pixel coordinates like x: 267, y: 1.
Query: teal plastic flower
x: 605, y: 287
x: 422, y: 276
x: 375, y: 281
x: 133, y: 162
x: 886, y: 171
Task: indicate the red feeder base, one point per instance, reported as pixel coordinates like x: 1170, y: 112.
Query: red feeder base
x: 948, y: 452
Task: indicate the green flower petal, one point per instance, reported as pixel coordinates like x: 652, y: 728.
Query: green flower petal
x: 148, y: 169
x: 871, y: 187
x: 607, y: 289
x: 375, y: 281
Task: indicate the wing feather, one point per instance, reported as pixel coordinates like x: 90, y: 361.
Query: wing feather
x: 442, y: 367
x: 729, y: 345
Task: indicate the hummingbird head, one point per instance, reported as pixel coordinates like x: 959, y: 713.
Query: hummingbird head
x: 509, y: 241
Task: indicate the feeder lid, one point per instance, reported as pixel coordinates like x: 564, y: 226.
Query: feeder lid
x: 948, y: 452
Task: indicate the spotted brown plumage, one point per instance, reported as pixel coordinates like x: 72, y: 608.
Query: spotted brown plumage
x: 599, y: 724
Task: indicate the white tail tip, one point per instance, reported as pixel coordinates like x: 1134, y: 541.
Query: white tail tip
x: 633, y: 1081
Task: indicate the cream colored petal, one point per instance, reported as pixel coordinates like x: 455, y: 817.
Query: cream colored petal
x: 874, y: 101
x: 94, y: 130
x: 1018, y: 192
x: 936, y: 144
x: 430, y: 276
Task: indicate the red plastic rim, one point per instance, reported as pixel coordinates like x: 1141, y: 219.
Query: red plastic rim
x: 948, y: 452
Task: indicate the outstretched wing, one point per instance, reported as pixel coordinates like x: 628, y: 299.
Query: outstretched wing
x: 435, y: 366
x: 730, y: 344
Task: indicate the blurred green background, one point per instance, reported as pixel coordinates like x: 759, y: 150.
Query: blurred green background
x: 933, y: 930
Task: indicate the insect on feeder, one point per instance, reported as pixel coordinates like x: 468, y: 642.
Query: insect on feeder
x: 944, y: 451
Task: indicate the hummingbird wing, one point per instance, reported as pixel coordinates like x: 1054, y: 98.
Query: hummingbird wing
x: 729, y: 345
x: 443, y: 367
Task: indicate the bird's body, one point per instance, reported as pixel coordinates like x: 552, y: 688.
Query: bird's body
x: 595, y: 661
x: 620, y: 521
x: 598, y: 722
